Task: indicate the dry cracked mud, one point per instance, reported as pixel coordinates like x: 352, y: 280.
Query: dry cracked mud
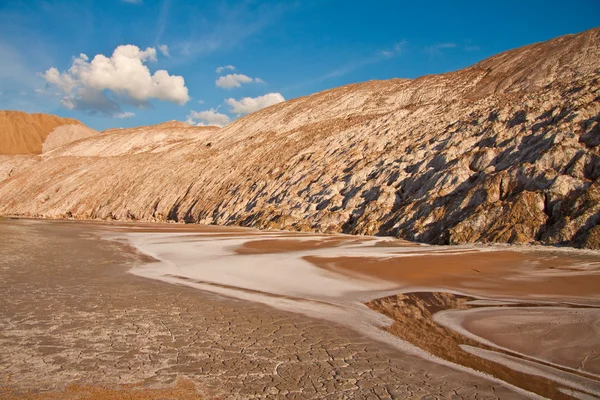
x: 71, y: 314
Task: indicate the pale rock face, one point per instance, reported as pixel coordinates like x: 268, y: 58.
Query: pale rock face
x: 66, y: 134
x: 503, y: 151
x: 12, y: 165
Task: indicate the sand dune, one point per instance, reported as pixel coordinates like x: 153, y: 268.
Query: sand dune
x: 22, y: 133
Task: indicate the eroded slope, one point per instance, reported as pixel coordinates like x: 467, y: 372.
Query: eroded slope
x: 503, y: 151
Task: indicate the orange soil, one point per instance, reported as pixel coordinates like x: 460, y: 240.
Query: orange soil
x: 486, y: 273
x: 22, y: 133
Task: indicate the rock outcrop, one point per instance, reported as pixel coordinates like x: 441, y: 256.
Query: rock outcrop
x: 503, y: 151
x: 22, y: 133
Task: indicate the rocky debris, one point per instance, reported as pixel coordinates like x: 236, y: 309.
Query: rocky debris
x: 66, y: 134
x: 22, y: 133
x: 503, y: 151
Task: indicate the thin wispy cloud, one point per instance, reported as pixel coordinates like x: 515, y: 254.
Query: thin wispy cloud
x: 162, y: 20
x: 132, y: 1
x: 225, y: 67
x: 17, y: 74
x: 231, y: 26
x: 352, y: 66
x: 164, y: 50
x: 437, y: 49
x: 396, y: 50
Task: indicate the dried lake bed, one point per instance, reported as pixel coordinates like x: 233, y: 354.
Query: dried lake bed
x: 240, y: 313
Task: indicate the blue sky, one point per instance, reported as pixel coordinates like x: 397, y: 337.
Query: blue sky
x: 279, y: 49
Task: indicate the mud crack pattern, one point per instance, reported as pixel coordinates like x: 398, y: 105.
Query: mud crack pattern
x: 70, y: 313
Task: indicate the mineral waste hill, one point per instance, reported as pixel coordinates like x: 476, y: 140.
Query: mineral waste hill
x: 23, y: 133
x: 503, y: 151
x: 66, y: 134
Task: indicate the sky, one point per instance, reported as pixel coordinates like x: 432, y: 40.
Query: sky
x: 123, y: 63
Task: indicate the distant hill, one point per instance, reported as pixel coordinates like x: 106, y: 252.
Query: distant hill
x: 506, y: 150
x: 23, y: 133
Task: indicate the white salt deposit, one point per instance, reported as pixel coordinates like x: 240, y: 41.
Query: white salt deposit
x: 210, y: 261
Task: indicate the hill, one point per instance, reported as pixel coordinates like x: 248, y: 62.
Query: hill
x: 503, y: 151
x: 23, y: 133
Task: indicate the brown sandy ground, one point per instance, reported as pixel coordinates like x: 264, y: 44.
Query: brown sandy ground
x: 70, y: 314
x: 182, y: 390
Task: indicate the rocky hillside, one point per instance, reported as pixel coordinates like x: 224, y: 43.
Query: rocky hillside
x: 22, y: 133
x: 503, y: 151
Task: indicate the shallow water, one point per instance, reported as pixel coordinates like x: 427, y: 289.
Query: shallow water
x: 332, y: 276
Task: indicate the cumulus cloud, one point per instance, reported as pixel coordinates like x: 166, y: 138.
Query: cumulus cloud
x: 225, y: 67
x: 232, y: 80
x: 248, y: 105
x: 235, y: 80
x: 208, y: 118
x: 125, y: 75
x: 93, y: 102
x: 164, y: 50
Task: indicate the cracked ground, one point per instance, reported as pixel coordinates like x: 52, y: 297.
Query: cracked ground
x: 71, y: 314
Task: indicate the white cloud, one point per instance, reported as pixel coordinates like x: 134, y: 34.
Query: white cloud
x: 86, y: 84
x: 235, y: 80
x: 164, y: 50
x: 126, y: 114
x: 133, y: 1
x: 248, y: 105
x: 223, y: 68
x: 200, y: 101
x: 208, y: 118
x: 232, y: 80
